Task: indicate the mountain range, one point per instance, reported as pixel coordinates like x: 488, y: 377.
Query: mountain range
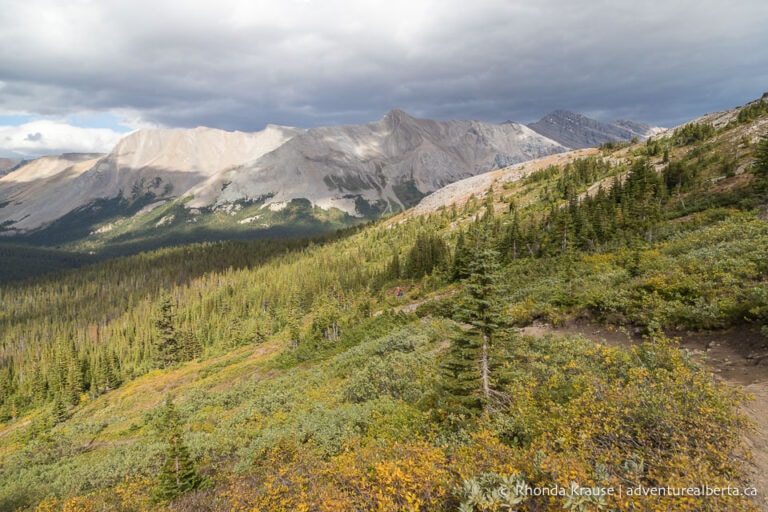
x: 7, y: 165
x: 579, y: 131
x: 204, y: 181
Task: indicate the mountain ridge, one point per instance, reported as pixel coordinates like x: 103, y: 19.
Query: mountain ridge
x: 389, y: 163
x: 360, y: 171
x: 578, y: 131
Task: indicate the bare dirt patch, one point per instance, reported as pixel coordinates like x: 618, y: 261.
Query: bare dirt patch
x: 738, y: 356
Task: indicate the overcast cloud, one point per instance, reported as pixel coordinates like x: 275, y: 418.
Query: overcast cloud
x: 241, y: 64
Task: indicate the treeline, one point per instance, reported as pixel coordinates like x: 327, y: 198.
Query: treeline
x: 623, y: 219
x: 625, y: 209
x: 632, y: 205
x: 589, y: 206
x: 19, y: 262
x: 66, y: 337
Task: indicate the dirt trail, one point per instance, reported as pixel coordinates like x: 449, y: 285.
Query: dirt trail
x: 739, y: 356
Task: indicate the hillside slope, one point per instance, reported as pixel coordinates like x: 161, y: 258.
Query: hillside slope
x: 294, y: 376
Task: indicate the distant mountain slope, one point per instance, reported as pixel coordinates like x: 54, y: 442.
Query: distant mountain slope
x: 160, y: 163
x: 722, y: 118
x: 360, y: 171
x: 376, y: 167
x: 7, y: 165
x: 203, y: 183
x: 38, y: 190
x: 459, y: 192
x: 579, y: 131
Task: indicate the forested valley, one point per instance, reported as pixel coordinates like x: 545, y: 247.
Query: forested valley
x: 291, y: 375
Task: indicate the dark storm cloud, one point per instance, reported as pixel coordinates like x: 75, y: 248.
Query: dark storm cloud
x: 242, y: 64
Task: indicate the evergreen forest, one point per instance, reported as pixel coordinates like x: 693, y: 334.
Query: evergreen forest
x: 256, y: 375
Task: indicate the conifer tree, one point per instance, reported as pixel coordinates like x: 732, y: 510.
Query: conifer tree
x: 39, y: 385
x: 178, y: 473
x: 106, y: 376
x: 190, y: 346
x: 74, y: 381
x: 510, y: 244
x: 6, y: 389
x: 642, y: 194
x: 481, y: 308
x: 461, y: 258
x: 427, y: 253
x: 461, y: 384
x: 59, y: 410
x: 167, y: 347
x: 760, y: 165
x: 294, y: 313
x: 393, y: 269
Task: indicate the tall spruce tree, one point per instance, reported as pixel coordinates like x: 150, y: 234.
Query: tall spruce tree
x: 59, y: 410
x: 760, y: 165
x: 480, y: 306
x: 393, y: 269
x: 167, y: 346
x: 461, y: 384
x: 427, y: 253
x: 461, y: 257
x: 178, y: 473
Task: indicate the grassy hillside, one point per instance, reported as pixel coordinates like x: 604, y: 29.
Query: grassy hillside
x: 289, y: 375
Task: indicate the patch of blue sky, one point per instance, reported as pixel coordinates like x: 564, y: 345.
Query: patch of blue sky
x: 103, y: 120
x: 99, y: 120
x: 16, y: 119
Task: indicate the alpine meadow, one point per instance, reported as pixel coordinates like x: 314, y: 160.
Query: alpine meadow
x: 442, y: 357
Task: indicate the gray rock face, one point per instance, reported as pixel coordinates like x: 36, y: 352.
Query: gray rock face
x: 578, y: 131
x: 387, y: 164
x: 363, y: 170
x: 165, y: 163
x: 7, y: 165
x: 40, y: 191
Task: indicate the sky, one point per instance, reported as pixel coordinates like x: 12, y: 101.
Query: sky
x: 77, y: 76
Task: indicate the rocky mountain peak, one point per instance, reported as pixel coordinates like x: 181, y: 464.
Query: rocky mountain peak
x: 398, y: 115
x: 575, y: 130
x: 397, y: 119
